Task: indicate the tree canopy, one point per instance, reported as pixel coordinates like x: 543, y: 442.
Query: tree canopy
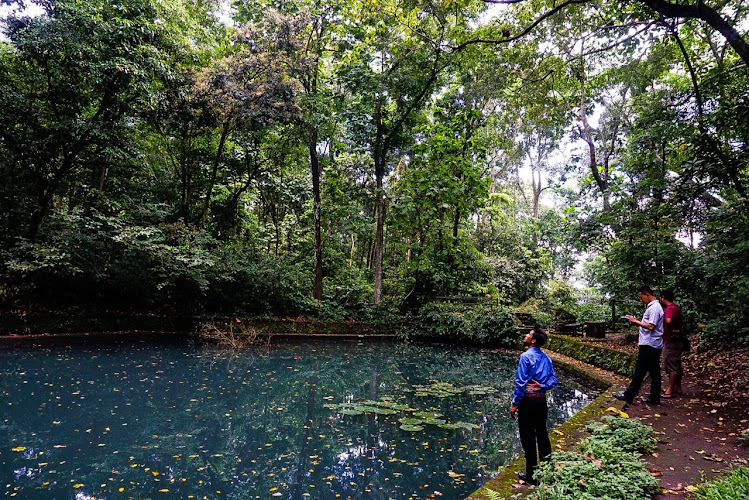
x: 356, y: 159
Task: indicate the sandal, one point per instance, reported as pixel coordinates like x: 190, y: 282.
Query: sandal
x: 666, y: 395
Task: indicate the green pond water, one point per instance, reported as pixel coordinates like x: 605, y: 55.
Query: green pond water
x: 149, y: 420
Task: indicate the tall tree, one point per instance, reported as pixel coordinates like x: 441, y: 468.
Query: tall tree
x: 73, y: 80
x: 396, y: 62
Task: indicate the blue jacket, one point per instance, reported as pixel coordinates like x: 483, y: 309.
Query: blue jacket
x: 533, y: 365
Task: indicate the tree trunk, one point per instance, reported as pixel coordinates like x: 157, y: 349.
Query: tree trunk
x: 45, y: 200
x: 379, y: 161
x: 214, y: 171
x: 316, y: 209
x: 602, y: 183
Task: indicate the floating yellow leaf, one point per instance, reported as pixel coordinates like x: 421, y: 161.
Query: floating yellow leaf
x: 163, y: 490
x: 78, y: 485
x: 454, y: 475
x: 273, y: 489
x: 19, y: 449
x: 154, y: 473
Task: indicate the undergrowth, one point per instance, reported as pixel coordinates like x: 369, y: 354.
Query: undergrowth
x: 734, y: 486
x: 607, y: 465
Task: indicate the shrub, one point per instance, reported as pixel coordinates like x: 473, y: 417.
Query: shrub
x: 483, y: 324
x: 735, y: 486
x: 628, y: 435
x: 607, y: 466
x: 611, y: 474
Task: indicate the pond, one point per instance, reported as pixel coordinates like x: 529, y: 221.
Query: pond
x: 149, y: 420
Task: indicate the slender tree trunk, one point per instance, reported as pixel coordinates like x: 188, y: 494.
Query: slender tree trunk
x: 316, y: 209
x: 214, y: 171
x: 379, y: 161
x: 45, y: 200
x: 590, y: 141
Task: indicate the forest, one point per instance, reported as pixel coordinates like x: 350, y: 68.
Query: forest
x: 369, y: 159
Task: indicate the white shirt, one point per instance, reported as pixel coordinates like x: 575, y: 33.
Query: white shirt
x: 654, y: 316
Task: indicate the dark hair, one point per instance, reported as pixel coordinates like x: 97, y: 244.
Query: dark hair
x: 540, y: 335
x: 645, y: 289
x: 668, y: 295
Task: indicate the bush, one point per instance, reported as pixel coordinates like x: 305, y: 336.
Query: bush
x: 107, y: 262
x: 607, y: 466
x: 735, y: 486
x: 608, y: 359
x: 483, y: 324
x: 628, y: 435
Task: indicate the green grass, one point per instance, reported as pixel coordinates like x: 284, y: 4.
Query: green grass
x: 734, y: 486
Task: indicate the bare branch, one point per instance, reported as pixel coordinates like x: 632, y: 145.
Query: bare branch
x: 527, y: 30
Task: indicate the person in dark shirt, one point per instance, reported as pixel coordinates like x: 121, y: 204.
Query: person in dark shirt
x: 535, y: 375
x: 673, y: 343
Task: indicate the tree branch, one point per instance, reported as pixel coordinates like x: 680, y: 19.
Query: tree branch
x: 527, y: 30
x: 707, y: 14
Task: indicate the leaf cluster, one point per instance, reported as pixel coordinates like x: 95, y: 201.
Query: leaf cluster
x: 735, y: 486
x: 608, y: 465
x: 483, y: 324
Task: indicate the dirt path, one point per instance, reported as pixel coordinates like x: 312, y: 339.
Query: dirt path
x: 698, y: 432
x: 697, y: 439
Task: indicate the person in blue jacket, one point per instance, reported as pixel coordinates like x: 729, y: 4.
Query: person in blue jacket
x: 535, y: 376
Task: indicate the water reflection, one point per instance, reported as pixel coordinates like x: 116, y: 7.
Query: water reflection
x: 149, y: 420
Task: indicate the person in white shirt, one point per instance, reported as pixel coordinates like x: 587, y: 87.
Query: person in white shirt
x: 650, y: 346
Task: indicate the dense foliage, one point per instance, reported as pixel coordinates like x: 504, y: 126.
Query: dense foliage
x: 477, y: 324
x: 358, y: 160
x: 608, y: 464
x: 734, y: 486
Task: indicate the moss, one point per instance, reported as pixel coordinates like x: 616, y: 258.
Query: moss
x: 614, y: 361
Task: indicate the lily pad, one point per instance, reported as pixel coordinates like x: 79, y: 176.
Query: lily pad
x: 427, y: 414
x: 351, y: 412
x: 384, y: 411
x: 434, y: 421
x: 412, y: 428
x: 410, y: 421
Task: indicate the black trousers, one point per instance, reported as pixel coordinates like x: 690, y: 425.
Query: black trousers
x: 648, y: 362
x: 532, y: 414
